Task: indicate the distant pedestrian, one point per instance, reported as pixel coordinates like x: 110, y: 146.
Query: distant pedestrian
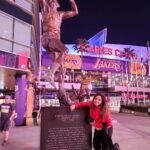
x: 100, y: 118
x: 34, y: 116
x: 7, y: 114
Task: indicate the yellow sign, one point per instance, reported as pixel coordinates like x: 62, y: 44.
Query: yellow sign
x: 137, y: 68
x: 73, y: 62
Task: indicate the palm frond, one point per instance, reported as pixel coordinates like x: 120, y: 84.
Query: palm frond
x: 128, y: 53
x: 81, y: 45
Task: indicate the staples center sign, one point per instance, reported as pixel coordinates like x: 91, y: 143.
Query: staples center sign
x: 113, y: 51
x: 106, y: 51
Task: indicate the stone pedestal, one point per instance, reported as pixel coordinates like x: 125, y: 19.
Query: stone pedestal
x: 63, y: 129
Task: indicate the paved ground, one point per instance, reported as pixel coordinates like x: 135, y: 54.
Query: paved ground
x: 125, y: 133
x: 132, y: 132
x: 23, y: 138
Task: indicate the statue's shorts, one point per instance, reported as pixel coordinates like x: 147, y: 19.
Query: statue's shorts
x: 52, y: 44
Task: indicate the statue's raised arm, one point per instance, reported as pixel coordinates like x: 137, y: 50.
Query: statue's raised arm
x: 43, y: 4
x: 72, y: 12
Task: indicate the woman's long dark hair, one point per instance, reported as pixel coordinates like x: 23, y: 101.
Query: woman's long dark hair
x: 104, y: 106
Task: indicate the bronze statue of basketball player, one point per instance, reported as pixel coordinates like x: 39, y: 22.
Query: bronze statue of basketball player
x: 51, y: 38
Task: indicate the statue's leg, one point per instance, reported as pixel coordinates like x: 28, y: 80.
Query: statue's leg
x: 61, y: 61
x: 87, y: 93
x: 51, y: 73
x: 56, y: 46
x: 57, y: 49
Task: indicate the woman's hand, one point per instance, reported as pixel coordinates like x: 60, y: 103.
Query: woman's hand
x: 72, y: 107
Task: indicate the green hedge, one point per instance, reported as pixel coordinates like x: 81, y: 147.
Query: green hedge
x: 138, y: 108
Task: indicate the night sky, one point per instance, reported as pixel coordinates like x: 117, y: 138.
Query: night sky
x: 127, y: 21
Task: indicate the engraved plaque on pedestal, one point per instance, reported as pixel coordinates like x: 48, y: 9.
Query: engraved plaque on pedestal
x: 62, y: 129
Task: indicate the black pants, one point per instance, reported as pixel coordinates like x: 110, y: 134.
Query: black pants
x: 102, y: 141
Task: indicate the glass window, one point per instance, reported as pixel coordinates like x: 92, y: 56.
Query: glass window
x: 6, y: 26
x: 25, y: 4
x: 22, y: 33
x: 21, y: 50
x: 5, y: 45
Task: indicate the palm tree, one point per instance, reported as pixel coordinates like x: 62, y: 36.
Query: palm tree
x: 129, y: 54
x: 81, y: 45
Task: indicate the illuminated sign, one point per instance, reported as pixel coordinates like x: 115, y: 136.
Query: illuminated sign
x: 106, y: 64
x: 23, y: 62
x: 14, y: 61
x: 133, y: 95
x: 8, y: 59
x: 73, y: 61
x: 137, y: 68
x: 110, y: 51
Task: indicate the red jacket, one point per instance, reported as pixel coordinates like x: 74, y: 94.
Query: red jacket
x: 95, y: 114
